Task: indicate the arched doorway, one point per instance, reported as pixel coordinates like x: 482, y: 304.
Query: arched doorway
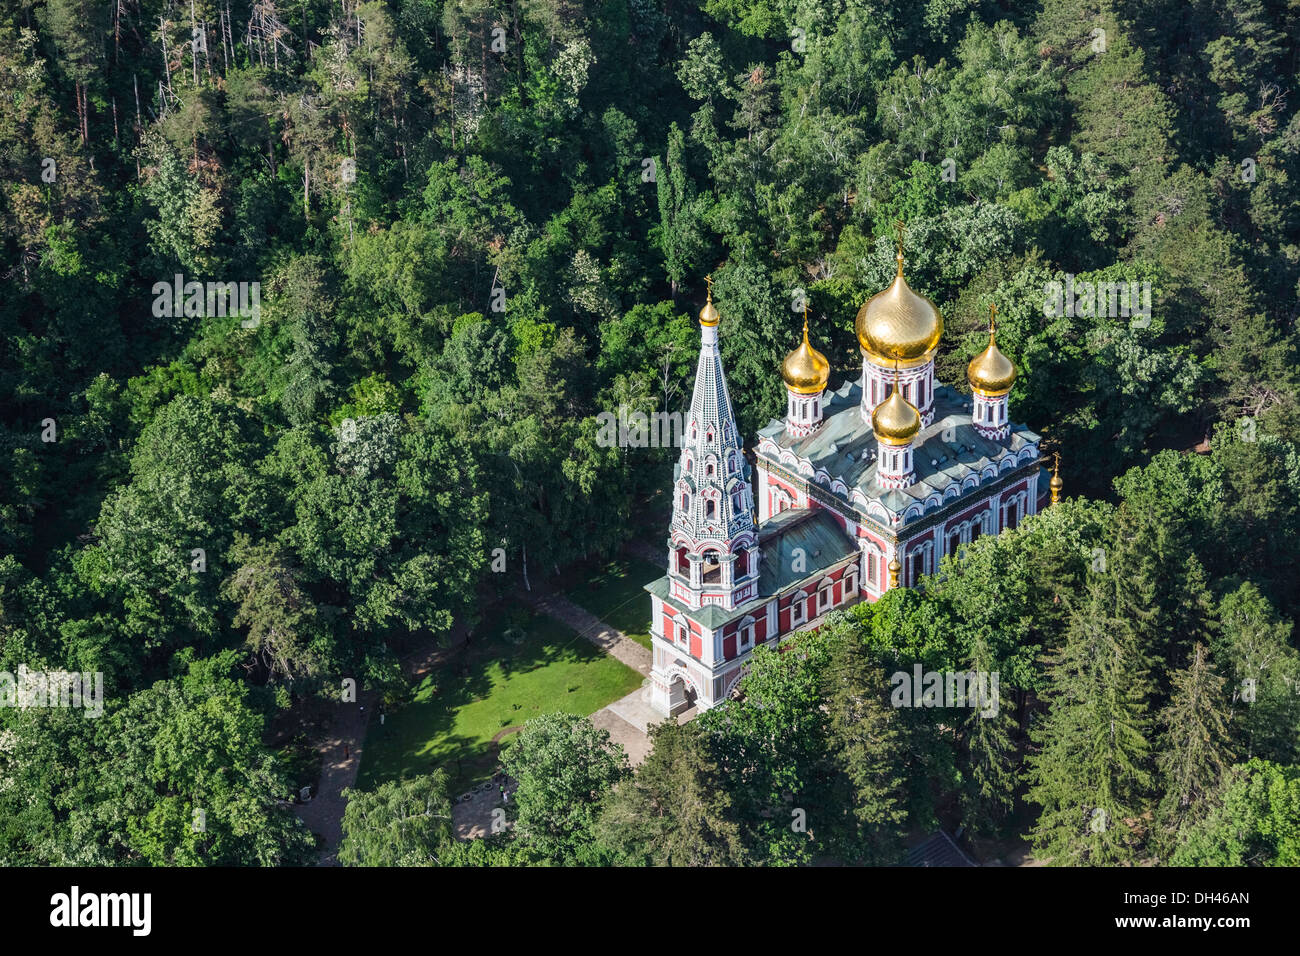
x: 682, y: 694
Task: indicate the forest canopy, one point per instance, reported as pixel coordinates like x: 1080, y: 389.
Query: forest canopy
x: 434, y: 240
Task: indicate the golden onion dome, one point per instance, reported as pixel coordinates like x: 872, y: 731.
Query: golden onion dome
x: 895, y: 420
x: 897, y: 324
x: 709, y: 314
x: 991, y: 373
x: 806, y: 370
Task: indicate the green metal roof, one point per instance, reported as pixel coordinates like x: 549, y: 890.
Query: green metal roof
x: 814, y: 531
x: 946, y: 451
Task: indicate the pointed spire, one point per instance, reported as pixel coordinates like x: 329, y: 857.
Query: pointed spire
x: 901, y: 229
x: 1056, y: 483
x: 709, y: 314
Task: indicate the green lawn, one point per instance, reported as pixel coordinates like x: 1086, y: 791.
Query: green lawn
x: 518, y: 667
x: 616, y: 594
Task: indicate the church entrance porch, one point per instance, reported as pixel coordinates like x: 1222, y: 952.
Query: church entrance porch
x: 672, y: 693
x: 681, y: 695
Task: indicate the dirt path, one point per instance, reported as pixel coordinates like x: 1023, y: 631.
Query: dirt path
x: 340, y: 759
x: 340, y: 750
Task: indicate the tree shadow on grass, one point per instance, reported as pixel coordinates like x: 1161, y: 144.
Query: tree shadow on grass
x: 458, y: 708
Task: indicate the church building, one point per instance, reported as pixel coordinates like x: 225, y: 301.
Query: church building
x: 858, y: 490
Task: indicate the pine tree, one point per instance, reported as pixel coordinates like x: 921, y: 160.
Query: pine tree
x: 1195, y: 745
x: 680, y: 233
x: 677, y: 811
x: 864, y: 765
x: 1090, y: 774
x: 988, y: 758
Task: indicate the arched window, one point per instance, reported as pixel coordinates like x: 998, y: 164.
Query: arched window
x: 710, y: 508
x: 686, y: 501
x: 872, y: 570
x: 745, y: 639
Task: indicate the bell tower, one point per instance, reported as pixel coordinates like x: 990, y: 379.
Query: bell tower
x: 713, y: 543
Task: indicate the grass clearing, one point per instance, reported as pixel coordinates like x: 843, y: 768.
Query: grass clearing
x: 615, y: 593
x: 520, y: 666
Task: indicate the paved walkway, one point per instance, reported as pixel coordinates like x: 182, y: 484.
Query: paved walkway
x: 629, y: 719
x: 611, y: 641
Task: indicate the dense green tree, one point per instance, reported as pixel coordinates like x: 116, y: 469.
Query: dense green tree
x: 1090, y: 774
x: 677, y: 810
x: 865, y: 737
x: 1194, y: 749
x: 1256, y: 823
x: 401, y: 823
x: 564, y: 767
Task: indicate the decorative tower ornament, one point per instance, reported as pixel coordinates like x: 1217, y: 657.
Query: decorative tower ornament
x: 991, y: 375
x: 895, y: 422
x: 894, y: 568
x: 1056, y: 484
x: 806, y: 372
x: 899, y: 330
x: 713, y: 542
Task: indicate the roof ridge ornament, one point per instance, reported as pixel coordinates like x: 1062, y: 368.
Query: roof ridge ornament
x: 709, y: 314
x: 1056, y: 483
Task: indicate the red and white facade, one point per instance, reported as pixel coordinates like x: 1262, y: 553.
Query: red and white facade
x: 820, y: 489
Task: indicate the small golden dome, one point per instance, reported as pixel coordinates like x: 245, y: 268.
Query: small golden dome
x: 895, y: 420
x: 806, y: 370
x: 709, y: 314
x: 897, y: 324
x: 991, y: 373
